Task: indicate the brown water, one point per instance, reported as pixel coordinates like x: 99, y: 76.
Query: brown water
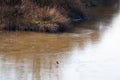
x: 91, y: 51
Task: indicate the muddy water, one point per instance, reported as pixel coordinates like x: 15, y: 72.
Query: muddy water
x: 91, y: 51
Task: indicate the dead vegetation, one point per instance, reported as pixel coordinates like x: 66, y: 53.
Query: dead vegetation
x: 39, y: 15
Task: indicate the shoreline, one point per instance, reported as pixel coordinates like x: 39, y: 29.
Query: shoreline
x: 43, y: 16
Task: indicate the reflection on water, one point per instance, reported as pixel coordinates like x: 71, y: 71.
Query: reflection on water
x: 89, y: 52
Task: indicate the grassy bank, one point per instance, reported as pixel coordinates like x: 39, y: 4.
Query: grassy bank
x: 42, y: 15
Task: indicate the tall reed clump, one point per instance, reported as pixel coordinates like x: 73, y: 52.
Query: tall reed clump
x: 43, y: 18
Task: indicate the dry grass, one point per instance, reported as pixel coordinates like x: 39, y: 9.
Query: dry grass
x: 46, y: 19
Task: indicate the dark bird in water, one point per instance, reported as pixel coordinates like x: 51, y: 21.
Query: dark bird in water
x: 57, y: 62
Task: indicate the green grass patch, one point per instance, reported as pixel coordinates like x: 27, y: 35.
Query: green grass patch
x: 35, y: 21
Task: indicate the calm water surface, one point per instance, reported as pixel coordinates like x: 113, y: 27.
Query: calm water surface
x: 90, y: 52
